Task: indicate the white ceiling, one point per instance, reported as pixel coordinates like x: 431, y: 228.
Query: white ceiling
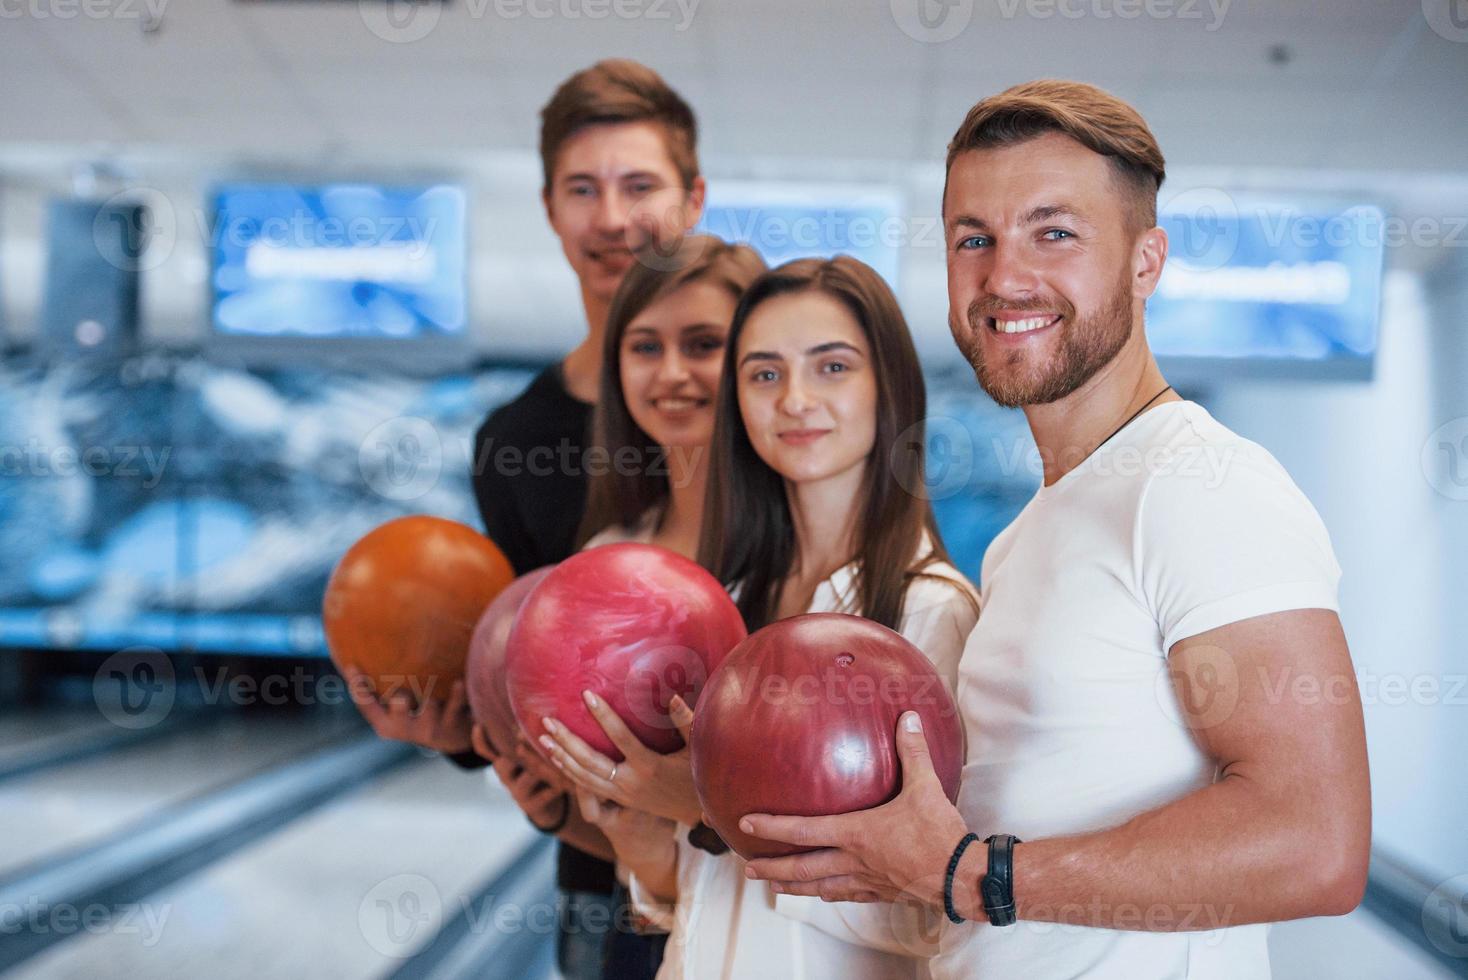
x: 1369, y: 103
x: 1369, y: 84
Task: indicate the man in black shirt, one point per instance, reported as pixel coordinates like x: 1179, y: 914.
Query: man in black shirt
x: 618, y: 149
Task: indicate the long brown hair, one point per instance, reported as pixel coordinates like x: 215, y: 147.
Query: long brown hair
x: 748, y: 538
x: 622, y: 495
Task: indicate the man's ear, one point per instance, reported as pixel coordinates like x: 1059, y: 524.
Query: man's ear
x: 545, y: 199
x: 693, y: 205
x: 1148, y: 258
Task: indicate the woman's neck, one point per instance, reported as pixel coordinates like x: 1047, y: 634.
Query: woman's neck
x: 682, y: 520
x: 824, y: 513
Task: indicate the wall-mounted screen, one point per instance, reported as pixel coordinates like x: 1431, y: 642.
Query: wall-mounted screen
x: 1260, y: 281
x: 338, y: 261
x: 794, y: 221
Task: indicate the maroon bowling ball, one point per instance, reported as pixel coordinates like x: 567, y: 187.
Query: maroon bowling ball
x: 801, y: 719
x: 633, y: 623
x: 484, y: 672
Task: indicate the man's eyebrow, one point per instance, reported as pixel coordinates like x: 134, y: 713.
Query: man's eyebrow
x: 1048, y: 212
x: 1043, y: 212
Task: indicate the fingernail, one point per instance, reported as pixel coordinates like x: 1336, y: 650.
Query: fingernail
x: 591, y: 699
x: 746, y: 826
x: 777, y: 889
x: 546, y: 743
x: 912, y: 722
x: 749, y: 872
x: 550, y: 725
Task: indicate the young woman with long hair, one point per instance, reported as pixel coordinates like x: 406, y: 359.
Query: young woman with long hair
x: 815, y: 504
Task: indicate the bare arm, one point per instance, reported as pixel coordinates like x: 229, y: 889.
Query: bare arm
x: 1286, y: 830
x: 1284, y: 833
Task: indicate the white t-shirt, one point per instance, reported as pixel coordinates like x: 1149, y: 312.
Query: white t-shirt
x: 1175, y: 527
x: 728, y: 927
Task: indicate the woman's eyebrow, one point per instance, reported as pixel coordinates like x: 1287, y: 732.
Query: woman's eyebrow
x: 831, y: 345
x: 759, y: 355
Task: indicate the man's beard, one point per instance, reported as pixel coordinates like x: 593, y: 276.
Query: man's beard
x: 1086, y: 346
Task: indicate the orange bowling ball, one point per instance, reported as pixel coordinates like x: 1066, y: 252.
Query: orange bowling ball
x: 402, y: 603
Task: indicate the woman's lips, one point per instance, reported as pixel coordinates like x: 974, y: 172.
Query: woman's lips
x: 679, y: 406
x: 801, y: 437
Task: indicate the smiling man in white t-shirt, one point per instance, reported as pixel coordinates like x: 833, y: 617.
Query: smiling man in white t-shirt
x: 1158, y: 697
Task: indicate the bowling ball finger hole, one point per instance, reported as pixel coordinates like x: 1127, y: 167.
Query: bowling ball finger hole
x: 844, y: 660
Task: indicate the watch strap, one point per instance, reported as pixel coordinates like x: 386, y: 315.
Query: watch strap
x: 997, y: 887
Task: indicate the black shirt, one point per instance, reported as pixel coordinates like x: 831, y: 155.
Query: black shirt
x: 529, y: 479
x: 530, y: 484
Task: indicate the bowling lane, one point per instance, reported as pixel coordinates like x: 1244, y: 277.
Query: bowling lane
x: 26, y: 730
x: 56, y: 809
x: 347, y: 891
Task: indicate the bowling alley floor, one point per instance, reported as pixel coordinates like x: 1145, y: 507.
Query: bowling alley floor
x: 360, y: 886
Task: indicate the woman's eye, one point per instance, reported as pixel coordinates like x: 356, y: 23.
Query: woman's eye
x: 645, y: 347
x: 835, y: 367
x: 762, y: 376
x: 705, y: 346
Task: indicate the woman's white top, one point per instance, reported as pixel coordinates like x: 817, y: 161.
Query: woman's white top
x: 728, y: 927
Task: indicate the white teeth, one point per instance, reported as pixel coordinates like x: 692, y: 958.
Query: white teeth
x: 676, y: 404
x: 1022, y: 326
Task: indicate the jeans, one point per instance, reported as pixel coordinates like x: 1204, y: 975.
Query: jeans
x: 595, y: 942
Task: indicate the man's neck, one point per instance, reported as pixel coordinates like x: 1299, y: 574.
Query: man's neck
x: 581, y: 369
x: 1071, y: 429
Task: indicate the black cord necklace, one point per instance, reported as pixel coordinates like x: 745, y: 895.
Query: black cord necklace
x: 1132, y: 419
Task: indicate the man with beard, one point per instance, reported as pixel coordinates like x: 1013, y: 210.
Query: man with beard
x: 1165, y: 739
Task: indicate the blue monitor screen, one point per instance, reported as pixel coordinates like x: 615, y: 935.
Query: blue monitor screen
x: 347, y: 260
x: 784, y: 222
x: 1255, y: 279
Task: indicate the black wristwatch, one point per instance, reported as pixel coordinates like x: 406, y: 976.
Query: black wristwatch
x: 997, y: 887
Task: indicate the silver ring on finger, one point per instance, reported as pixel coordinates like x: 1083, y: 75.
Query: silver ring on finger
x: 613, y: 777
